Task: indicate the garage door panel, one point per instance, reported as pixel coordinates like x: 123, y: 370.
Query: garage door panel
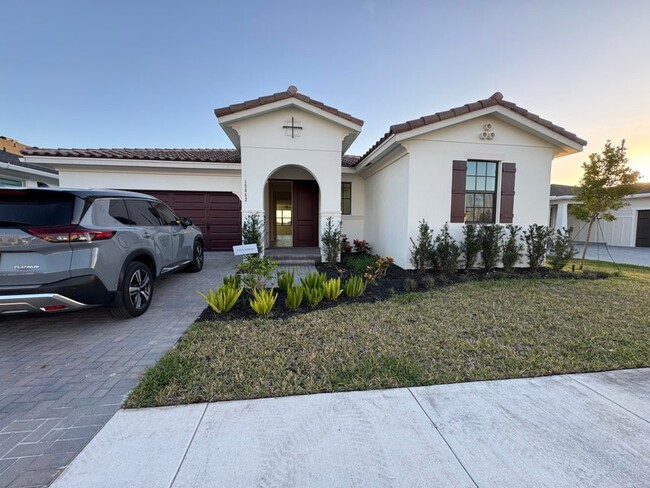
x: 217, y: 214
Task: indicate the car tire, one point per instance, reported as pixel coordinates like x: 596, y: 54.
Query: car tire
x: 136, y: 292
x: 198, y: 258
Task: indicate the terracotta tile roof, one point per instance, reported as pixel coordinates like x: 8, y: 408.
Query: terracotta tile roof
x: 291, y: 92
x: 203, y: 155
x: 496, y: 99
x: 569, y: 191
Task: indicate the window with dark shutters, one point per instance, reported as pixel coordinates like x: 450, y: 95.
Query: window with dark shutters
x: 458, y: 191
x: 507, y: 192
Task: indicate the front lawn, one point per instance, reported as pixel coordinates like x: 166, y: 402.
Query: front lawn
x: 469, y: 331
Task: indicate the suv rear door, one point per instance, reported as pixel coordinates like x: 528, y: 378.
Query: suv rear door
x: 156, y: 237
x: 182, y: 238
x: 34, y: 236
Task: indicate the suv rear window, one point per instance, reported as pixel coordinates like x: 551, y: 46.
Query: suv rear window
x: 141, y: 212
x: 33, y: 208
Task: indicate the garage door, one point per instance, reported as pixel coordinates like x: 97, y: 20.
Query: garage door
x: 643, y: 229
x: 217, y: 214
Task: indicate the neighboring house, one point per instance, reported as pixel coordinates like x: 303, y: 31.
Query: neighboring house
x: 631, y: 227
x: 485, y: 162
x: 15, y: 172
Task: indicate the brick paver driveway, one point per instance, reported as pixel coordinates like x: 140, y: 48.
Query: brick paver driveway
x: 62, y: 377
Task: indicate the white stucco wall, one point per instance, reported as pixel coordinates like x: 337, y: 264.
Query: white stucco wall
x: 620, y: 232
x: 353, y: 224
x: 149, y: 178
x: 387, y: 211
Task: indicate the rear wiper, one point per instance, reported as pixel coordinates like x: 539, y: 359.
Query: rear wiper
x: 9, y: 223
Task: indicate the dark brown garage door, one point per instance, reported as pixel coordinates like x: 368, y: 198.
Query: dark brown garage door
x: 217, y: 214
x: 643, y: 229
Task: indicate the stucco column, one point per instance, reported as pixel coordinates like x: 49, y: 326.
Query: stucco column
x: 562, y: 217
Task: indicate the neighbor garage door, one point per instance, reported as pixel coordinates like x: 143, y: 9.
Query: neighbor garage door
x: 217, y: 214
x: 643, y: 229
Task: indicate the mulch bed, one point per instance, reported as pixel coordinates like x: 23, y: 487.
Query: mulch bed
x: 390, y: 285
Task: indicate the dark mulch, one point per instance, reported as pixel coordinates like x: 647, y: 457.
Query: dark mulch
x: 390, y: 285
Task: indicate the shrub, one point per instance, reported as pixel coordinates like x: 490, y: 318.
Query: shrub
x: 346, y: 247
x: 490, y: 238
x: 378, y: 268
x: 332, y: 288
x: 410, y: 284
x: 362, y: 247
x: 256, y: 271
x: 285, y: 280
x: 313, y: 280
x: 252, y: 231
x: 314, y: 296
x: 562, y: 250
x: 359, y: 265
x: 232, y: 280
x: 354, y: 287
x: 428, y: 281
x: 331, y: 241
x: 222, y: 299
x: 446, y: 252
x: 422, y: 250
x: 263, y: 301
x: 512, y: 248
x: 294, y: 297
x: 537, y: 242
x: 471, y: 245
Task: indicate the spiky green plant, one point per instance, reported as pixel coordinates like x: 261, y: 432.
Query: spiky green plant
x: 232, y: 280
x: 355, y: 286
x: 314, y: 296
x: 222, y: 299
x: 294, y: 297
x: 332, y: 288
x: 313, y: 280
x: 285, y: 279
x: 263, y: 301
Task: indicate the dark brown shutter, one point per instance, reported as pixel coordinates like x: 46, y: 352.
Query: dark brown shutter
x: 508, y: 171
x: 458, y: 192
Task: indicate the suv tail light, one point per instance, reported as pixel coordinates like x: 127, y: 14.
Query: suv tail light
x: 70, y: 233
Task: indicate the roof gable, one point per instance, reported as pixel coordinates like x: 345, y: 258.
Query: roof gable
x: 496, y: 100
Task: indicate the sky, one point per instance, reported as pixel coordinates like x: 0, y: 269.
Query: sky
x: 90, y: 73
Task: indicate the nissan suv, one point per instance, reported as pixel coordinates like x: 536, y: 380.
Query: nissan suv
x: 67, y: 249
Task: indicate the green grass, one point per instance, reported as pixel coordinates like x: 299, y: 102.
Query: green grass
x: 471, y: 331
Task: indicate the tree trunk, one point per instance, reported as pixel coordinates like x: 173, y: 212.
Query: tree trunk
x: 584, y: 251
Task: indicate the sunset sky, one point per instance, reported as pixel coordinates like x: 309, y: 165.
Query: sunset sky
x: 149, y: 74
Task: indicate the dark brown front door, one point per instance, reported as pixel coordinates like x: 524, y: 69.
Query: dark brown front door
x: 643, y: 229
x: 305, y: 214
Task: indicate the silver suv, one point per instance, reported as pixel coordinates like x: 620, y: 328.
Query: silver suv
x: 71, y: 249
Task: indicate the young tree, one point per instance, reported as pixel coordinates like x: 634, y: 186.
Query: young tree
x: 606, y: 180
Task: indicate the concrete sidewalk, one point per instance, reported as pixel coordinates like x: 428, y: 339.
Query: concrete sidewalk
x: 559, y: 431
x: 618, y: 254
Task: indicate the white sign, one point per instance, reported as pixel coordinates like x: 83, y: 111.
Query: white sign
x: 245, y: 249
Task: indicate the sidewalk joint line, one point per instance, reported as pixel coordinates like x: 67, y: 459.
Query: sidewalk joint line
x: 196, y: 429
x: 608, y: 399
x: 443, y: 438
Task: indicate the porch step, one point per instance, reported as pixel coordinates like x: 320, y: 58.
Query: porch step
x: 294, y: 256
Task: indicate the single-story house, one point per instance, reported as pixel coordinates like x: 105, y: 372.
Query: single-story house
x: 484, y: 162
x: 631, y: 227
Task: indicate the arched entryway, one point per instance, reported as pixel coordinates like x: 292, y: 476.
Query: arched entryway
x: 292, y: 201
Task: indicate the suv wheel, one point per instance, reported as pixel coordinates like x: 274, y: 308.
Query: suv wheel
x: 197, y: 263
x: 137, y: 291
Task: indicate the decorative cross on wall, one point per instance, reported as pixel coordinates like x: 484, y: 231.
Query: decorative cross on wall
x: 293, y: 127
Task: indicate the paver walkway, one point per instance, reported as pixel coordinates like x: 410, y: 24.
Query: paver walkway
x: 62, y: 377
x: 587, y: 430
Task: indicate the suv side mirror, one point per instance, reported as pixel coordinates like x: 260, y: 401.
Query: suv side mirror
x: 186, y: 222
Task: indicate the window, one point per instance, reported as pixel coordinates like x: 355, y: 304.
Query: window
x: 346, y: 198
x: 166, y: 214
x: 142, y: 213
x: 110, y: 212
x: 480, y: 192
x: 33, y: 208
x: 10, y: 182
x: 283, y: 217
